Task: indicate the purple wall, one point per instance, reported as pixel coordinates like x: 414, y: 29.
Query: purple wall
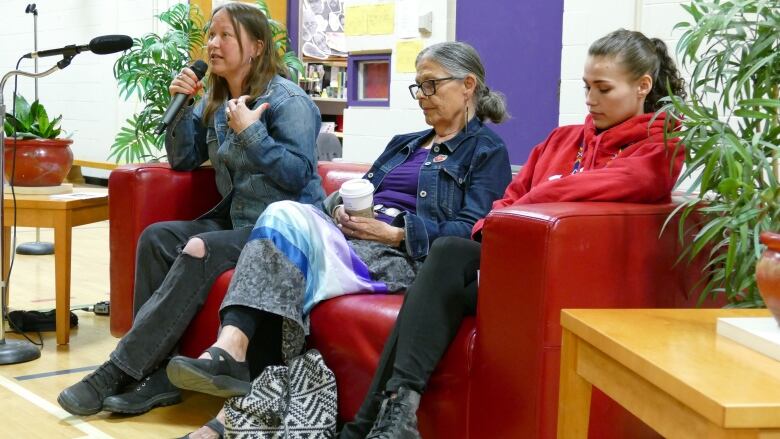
x: 293, y: 7
x: 520, y: 44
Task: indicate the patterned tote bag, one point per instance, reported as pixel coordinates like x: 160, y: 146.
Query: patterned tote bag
x: 297, y: 401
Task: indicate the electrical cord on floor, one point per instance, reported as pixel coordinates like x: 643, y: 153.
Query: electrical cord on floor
x: 102, y: 308
x: 16, y: 330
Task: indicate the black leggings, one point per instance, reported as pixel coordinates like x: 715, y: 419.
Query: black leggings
x: 264, y: 331
x: 444, y: 292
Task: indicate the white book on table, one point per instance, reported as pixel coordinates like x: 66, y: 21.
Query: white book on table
x: 761, y: 334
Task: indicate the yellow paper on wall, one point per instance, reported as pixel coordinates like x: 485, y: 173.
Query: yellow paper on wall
x: 355, y: 20
x: 406, y: 52
x: 381, y: 19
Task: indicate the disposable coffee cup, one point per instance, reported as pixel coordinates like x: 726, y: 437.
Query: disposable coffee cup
x: 358, y: 197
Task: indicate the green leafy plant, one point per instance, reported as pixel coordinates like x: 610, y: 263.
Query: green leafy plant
x: 31, y: 122
x: 147, y: 68
x: 731, y: 132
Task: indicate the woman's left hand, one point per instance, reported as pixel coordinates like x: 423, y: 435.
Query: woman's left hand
x: 372, y: 229
x: 239, y: 116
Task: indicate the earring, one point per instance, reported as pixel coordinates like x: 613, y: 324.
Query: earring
x: 466, y: 118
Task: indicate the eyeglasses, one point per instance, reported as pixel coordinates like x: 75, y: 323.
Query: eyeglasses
x: 428, y: 87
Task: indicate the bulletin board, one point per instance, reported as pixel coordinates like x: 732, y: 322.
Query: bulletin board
x: 322, y: 29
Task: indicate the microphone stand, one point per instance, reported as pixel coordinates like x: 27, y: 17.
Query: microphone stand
x: 35, y: 248
x: 15, y: 351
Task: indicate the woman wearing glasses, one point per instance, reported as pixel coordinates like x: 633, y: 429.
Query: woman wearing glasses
x: 619, y: 154
x: 429, y: 184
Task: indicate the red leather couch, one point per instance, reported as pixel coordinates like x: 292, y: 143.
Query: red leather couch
x: 499, y: 378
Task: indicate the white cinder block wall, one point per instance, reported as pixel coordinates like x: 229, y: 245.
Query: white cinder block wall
x: 85, y: 93
x: 584, y: 21
x: 368, y: 129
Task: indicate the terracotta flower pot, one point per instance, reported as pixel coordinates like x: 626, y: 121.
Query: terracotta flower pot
x: 39, y: 162
x: 768, y: 273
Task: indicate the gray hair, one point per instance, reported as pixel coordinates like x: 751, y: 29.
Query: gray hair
x: 460, y: 59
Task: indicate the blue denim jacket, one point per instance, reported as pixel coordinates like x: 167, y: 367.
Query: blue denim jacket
x: 273, y: 159
x: 458, y: 183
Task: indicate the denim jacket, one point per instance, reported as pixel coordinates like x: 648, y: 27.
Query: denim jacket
x: 458, y: 183
x: 273, y: 159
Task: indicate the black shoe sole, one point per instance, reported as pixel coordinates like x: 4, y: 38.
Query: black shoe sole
x: 75, y: 409
x: 161, y: 400
x: 185, y: 376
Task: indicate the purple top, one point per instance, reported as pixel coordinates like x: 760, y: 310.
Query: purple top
x: 399, y: 187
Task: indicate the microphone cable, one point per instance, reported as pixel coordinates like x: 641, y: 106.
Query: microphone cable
x: 12, y: 256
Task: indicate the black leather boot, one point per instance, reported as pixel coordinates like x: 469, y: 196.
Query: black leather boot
x: 397, y: 418
x: 153, y: 391
x: 86, y: 397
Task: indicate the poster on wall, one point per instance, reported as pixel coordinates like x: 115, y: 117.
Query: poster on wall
x: 322, y: 29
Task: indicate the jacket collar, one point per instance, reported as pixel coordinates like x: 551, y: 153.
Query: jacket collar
x: 472, y: 127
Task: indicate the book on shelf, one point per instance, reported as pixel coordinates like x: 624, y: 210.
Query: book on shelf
x: 325, y: 81
x: 761, y: 334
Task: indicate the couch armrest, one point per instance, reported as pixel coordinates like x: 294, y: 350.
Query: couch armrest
x: 140, y: 195
x: 335, y: 173
x: 538, y: 259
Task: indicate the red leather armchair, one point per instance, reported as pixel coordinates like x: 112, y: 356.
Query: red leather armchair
x: 499, y: 378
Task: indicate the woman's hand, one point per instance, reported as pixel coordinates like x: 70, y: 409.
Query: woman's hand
x: 185, y: 82
x: 369, y: 229
x: 239, y: 116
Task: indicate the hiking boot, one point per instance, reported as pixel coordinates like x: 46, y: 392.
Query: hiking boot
x: 153, y: 391
x: 86, y: 397
x: 397, y: 418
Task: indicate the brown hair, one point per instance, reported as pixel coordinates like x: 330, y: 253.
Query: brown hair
x: 640, y: 55
x: 249, y: 19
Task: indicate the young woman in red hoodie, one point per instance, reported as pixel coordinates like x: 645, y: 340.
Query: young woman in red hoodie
x: 618, y: 154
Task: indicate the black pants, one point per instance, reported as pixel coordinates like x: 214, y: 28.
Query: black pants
x: 444, y: 292
x: 170, y: 287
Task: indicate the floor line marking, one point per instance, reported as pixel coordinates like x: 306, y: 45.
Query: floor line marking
x: 55, y: 373
x: 90, y: 430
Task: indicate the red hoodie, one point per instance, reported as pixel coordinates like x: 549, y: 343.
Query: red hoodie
x: 628, y: 163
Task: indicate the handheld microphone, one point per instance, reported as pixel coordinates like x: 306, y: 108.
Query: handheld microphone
x: 99, y: 45
x: 199, y: 67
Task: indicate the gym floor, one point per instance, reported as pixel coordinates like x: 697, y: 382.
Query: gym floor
x: 28, y: 391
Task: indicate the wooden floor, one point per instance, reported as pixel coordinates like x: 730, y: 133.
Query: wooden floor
x: 28, y: 391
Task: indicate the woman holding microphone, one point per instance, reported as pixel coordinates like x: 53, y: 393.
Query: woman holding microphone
x: 259, y: 132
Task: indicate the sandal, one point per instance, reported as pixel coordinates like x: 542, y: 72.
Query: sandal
x: 221, y: 375
x: 213, y: 424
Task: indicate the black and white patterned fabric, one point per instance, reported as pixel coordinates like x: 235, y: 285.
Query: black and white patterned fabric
x: 298, y: 401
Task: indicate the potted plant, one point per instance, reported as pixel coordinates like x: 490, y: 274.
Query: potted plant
x: 731, y: 131
x: 147, y: 68
x: 34, y: 155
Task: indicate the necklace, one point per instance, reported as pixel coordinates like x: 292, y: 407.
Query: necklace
x: 578, y: 167
x: 578, y: 161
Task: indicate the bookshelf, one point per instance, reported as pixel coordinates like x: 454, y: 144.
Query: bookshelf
x: 325, y: 80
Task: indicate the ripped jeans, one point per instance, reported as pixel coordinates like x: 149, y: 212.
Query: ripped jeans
x: 171, y: 286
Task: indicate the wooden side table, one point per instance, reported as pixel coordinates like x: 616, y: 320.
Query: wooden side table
x: 670, y: 369
x: 61, y: 215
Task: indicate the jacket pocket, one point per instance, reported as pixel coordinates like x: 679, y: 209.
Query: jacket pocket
x: 452, y: 183
x: 266, y: 191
